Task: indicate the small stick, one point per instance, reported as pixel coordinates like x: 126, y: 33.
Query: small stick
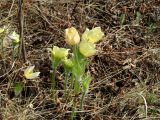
x: 21, y: 20
x: 145, y: 103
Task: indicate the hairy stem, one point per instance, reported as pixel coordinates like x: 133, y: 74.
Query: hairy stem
x: 66, y: 83
x: 82, y: 101
x: 73, y: 114
x: 53, y: 83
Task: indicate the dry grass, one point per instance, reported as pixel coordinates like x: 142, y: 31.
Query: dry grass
x: 126, y: 69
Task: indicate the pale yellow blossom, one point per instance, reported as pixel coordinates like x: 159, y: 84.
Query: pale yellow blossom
x: 71, y: 36
x: 29, y: 74
x: 15, y: 37
x: 93, y: 35
x: 87, y: 48
x: 59, y: 53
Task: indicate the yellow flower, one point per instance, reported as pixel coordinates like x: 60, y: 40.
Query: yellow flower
x: 68, y: 63
x: 59, y: 53
x: 71, y: 36
x: 15, y: 37
x: 2, y: 30
x: 93, y: 35
x: 87, y: 48
x: 28, y: 73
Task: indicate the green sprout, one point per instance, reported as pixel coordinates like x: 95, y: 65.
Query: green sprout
x: 138, y: 17
x: 122, y: 19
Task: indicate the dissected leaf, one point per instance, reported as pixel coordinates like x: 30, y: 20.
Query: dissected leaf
x: 86, y: 82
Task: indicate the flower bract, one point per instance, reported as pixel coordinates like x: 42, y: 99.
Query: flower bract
x: 68, y: 63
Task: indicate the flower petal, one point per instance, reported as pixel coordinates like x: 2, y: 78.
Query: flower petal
x: 33, y: 75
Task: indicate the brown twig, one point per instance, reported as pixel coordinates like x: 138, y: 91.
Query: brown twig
x: 21, y: 20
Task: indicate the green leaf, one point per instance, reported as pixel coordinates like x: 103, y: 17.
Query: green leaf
x: 152, y: 27
x: 18, y: 88
x: 151, y: 98
x: 122, y: 19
